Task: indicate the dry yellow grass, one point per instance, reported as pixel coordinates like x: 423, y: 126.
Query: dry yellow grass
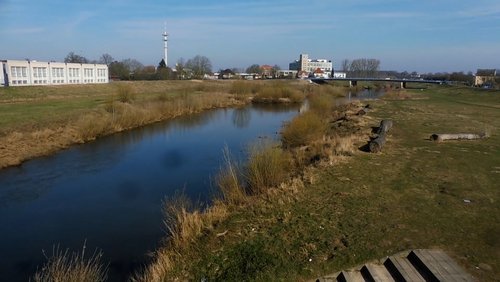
x: 75, y: 267
x: 229, y: 183
x: 268, y: 165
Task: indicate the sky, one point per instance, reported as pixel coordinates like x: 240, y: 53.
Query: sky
x: 405, y: 35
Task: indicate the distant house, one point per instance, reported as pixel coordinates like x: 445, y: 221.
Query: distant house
x: 267, y: 71
x: 483, y: 76
x: 226, y: 74
x: 287, y: 74
x: 319, y: 73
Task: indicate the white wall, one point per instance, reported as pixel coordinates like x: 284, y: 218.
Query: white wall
x: 54, y: 73
x: 1, y: 73
x: 339, y: 75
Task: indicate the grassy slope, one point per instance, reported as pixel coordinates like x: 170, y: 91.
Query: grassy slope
x: 24, y: 108
x: 410, y: 196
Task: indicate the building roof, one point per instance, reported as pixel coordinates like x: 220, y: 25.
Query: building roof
x: 486, y: 72
x: 318, y: 70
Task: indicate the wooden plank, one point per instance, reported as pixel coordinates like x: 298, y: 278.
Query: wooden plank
x: 350, y: 276
x: 444, y: 268
x: 376, y: 272
x: 405, y: 268
x: 439, y: 266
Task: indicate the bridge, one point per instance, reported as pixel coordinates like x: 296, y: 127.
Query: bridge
x: 354, y: 81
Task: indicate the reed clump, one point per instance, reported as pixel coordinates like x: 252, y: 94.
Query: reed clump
x: 184, y: 224
x: 302, y: 130
x: 268, y: 166
x: 74, y: 266
x: 125, y: 93
x: 321, y: 104
x: 229, y: 181
x: 242, y: 87
x: 279, y: 93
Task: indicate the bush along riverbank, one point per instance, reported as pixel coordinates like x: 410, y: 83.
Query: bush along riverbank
x: 39, y: 121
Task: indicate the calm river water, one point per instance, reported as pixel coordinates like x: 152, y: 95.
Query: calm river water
x: 109, y: 192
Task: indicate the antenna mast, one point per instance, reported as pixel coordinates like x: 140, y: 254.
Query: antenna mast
x: 165, y: 46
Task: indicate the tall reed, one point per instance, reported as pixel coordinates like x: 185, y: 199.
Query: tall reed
x: 228, y: 181
x: 75, y: 267
x: 268, y: 166
x: 302, y: 130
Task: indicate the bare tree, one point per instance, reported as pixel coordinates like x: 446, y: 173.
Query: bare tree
x: 345, y: 65
x: 364, y: 67
x: 106, y: 59
x: 179, y: 68
x: 132, y: 64
x: 74, y: 58
x: 255, y: 68
x: 200, y: 65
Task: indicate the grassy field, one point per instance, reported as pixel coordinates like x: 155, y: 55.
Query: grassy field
x: 361, y: 206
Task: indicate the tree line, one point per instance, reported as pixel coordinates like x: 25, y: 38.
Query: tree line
x: 362, y: 67
x: 132, y: 69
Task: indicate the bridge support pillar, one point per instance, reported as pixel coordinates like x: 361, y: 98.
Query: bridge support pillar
x: 353, y: 83
x: 403, y: 84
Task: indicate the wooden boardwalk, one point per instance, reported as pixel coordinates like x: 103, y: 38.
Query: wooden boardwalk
x: 416, y: 265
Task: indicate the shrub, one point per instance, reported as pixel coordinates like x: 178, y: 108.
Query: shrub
x: 268, y: 166
x: 321, y: 104
x: 91, y: 126
x: 277, y: 92
x: 63, y: 266
x: 241, y: 87
x: 302, y: 130
x: 125, y: 93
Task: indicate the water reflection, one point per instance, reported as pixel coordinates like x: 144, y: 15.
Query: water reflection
x: 241, y: 117
x: 109, y: 192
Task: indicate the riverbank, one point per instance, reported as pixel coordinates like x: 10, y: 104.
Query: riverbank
x: 350, y: 207
x: 38, y: 121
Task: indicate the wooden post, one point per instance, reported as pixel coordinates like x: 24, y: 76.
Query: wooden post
x: 458, y: 136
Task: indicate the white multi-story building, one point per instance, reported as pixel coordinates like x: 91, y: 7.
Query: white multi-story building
x: 304, y: 64
x: 23, y: 73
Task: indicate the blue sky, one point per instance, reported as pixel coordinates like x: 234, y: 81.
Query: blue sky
x: 423, y: 35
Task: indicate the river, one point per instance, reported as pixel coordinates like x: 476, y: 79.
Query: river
x: 108, y: 193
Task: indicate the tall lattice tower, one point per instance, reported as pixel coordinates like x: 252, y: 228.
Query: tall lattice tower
x: 165, y: 45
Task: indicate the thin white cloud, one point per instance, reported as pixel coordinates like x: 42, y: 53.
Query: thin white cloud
x: 71, y: 26
x: 481, y: 11
x: 23, y: 30
x: 393, y: 15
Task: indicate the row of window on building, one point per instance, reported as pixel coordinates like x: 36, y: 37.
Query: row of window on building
x: 43, y: 73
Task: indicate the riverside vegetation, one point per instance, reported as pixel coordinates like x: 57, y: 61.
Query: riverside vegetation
x: 37, y: 121
x: 337, y: 206
x: 314, y: 203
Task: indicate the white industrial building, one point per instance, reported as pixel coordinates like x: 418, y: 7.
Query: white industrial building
x: 339, y: 74
x: 304, y: 64
x: 24, y: 73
